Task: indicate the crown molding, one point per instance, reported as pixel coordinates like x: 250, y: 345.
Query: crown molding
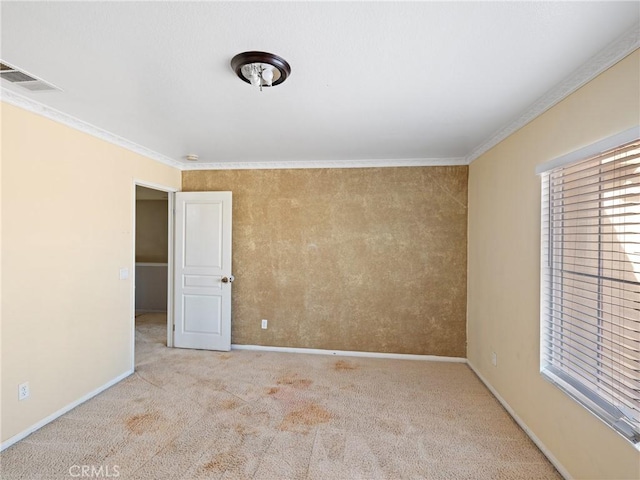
x: 606, y: 58
x: 298, y: 164
x: 38, y: 108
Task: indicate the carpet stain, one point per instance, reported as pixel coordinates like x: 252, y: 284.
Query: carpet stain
x: 142, y: 423
x: 224, y: 356
x: 226, y: 462
x: 244, y: 429
x: 341, y: 365
x: 230, y: 404
x: 294, y: 382
x: 273, y: 391
x: 305, y: 416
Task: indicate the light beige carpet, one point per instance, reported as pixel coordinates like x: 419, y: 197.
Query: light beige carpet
x: 190, y: 414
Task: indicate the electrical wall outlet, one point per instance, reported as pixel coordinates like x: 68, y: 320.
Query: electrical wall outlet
x: 494, y: 359
x: 264, y: 324
x: 23, y: 391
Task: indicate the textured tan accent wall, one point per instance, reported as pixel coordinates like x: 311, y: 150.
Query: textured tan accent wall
x: 152, y: 231
x: 348, y: 259
x: 504, y: 271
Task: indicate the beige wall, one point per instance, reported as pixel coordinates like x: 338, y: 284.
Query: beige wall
x: 504, y: 265
x: 67, y: 219
x: 348, y: 259
x: 152, y: 231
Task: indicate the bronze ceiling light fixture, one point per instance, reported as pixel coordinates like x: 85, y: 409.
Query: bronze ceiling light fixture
x: 261, y: 69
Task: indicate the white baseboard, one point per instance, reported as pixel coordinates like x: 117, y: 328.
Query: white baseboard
x: 348, y: 353
x: 62, y: 411
x: 523, y: 425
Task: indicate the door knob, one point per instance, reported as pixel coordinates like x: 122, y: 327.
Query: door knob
x: 228, y: 279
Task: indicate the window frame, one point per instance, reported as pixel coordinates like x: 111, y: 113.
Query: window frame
x: 568, y: 383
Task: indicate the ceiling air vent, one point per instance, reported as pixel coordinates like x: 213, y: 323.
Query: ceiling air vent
x: 14, y: 75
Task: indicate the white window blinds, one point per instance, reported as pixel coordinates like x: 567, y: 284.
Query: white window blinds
x: 590, y: 315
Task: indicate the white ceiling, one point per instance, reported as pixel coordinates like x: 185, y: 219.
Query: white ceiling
x: 371, y: 81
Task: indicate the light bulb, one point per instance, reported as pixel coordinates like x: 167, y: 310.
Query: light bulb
x: 267, y: 75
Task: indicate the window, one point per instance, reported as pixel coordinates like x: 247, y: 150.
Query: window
x: 590, y: 305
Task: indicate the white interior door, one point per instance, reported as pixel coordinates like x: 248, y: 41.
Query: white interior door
x: 202, y: 270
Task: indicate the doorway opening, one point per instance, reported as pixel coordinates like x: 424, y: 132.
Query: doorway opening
x: 152, y: 284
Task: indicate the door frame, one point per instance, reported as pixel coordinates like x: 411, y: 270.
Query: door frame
x: 170, y: 225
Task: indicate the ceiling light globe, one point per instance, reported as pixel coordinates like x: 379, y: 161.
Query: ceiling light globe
x: 245, y: 63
